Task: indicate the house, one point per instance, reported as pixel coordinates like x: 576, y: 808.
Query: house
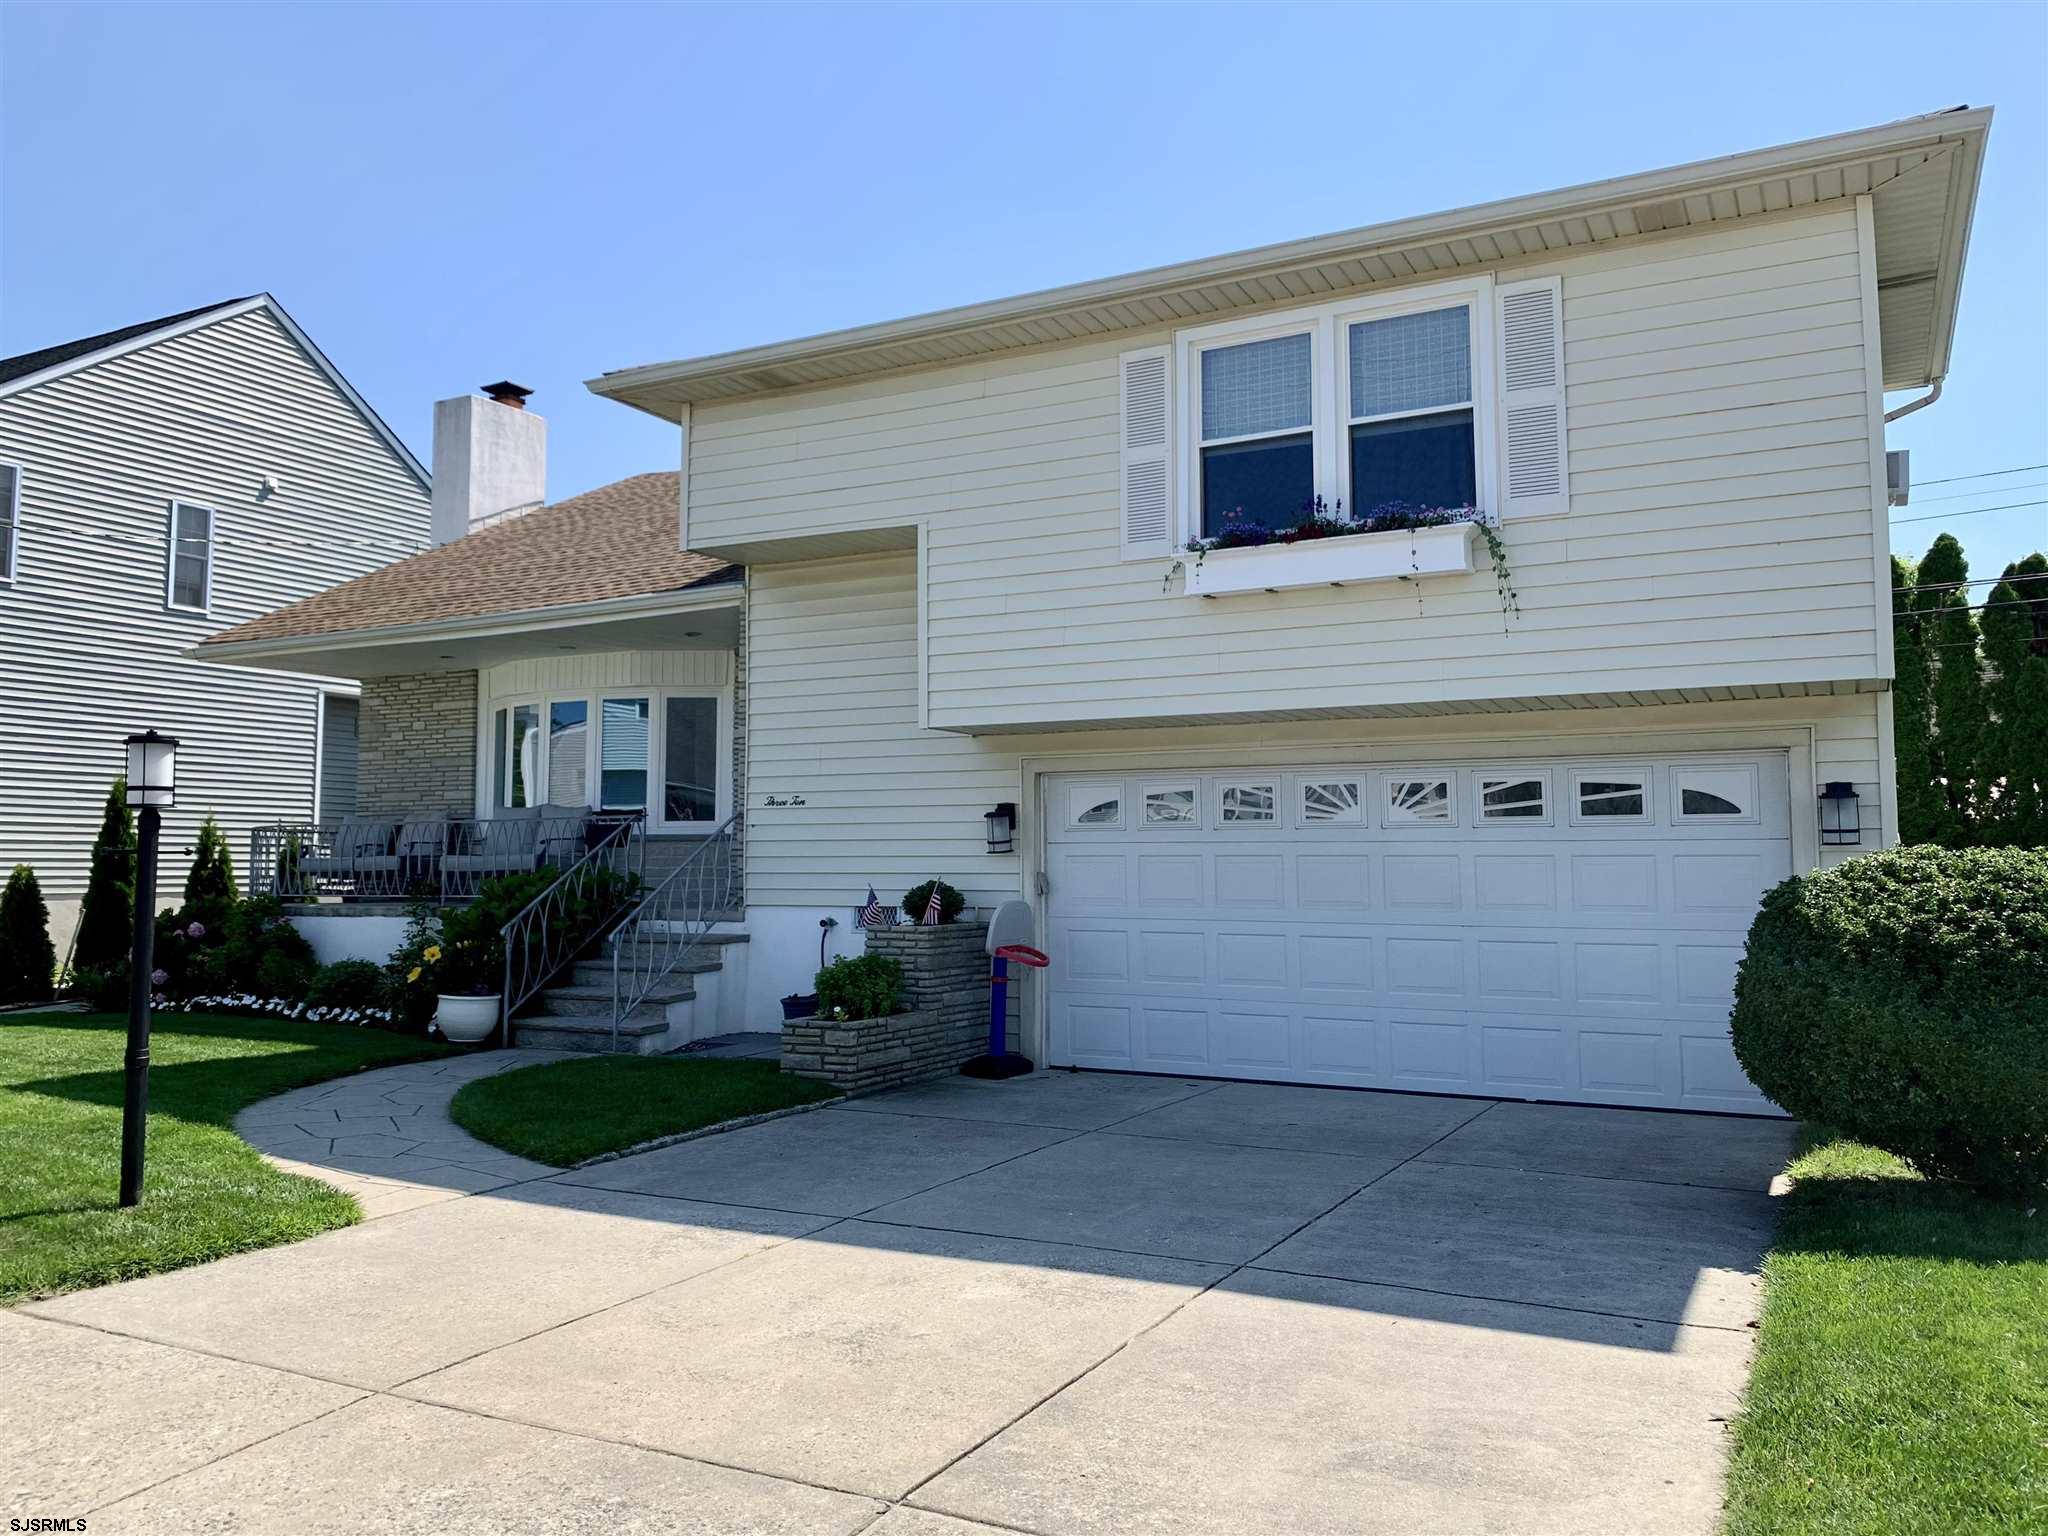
x: 1384, y: 809
x: 158, y: 483
x: 537, y: 660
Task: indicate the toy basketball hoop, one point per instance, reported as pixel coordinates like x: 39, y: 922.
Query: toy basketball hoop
x: 1007, y: 931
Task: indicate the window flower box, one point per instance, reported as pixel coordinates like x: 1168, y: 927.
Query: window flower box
x: 1446, y: 550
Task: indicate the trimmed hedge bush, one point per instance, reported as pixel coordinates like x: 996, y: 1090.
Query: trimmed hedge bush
x: 28, y: 961
x: 1902, y: 999
x: 918, y: 897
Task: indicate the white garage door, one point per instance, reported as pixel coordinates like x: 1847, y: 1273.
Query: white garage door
x: 1554, y: 929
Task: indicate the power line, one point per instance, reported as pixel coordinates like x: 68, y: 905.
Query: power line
x: 1985, y: 474
x: 1936, y: 615
x: 1974, y: 581
x: 1989, y: 490
x: 1935, y: 517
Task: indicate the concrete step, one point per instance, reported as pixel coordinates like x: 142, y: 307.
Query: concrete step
x: 584, y: 1002
x: 709, y: 939
x: 598, y: 973
x: 635, y: 1037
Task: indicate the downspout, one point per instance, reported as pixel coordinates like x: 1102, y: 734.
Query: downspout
x: 1911, y: 406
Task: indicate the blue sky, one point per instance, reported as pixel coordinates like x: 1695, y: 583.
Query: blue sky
x: 444, y: 195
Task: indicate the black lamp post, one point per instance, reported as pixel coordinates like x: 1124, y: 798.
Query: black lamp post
x: 152, y: 784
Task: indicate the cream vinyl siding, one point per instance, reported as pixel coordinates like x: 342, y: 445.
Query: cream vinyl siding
x: 1721, y: 530
x: 832, y: 712
x: 89, y: 650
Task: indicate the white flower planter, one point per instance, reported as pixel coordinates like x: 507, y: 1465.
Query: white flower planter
x: 1355, y: 557
x: 466, y: 1020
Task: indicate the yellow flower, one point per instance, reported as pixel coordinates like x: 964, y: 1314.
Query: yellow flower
x: 413, y: 974
x: 431, y: 952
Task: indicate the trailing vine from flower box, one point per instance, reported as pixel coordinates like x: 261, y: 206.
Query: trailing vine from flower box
x: 1320, y: 520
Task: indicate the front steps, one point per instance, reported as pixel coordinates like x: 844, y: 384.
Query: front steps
x: 700, y: 997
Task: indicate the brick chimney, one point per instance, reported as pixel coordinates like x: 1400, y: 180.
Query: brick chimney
x: 490, y: 460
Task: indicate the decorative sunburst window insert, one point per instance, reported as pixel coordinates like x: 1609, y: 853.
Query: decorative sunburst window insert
x: 1332, y: 802
x: 1424, y: 800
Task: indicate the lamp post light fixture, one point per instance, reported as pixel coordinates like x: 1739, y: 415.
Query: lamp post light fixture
x: 152, y: 785
x: 1841, y: 818
x: 1002, y: 828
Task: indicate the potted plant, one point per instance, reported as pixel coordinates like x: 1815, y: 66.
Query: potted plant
x: 799, y: 1005
x: 860, y: 987
x: 464, y: 973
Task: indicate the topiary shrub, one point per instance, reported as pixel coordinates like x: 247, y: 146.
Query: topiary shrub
x: 860, y: 987
x: 349, y: 984
x: 106, y: 918
x: 210, y: 885
x: 28, y: 961
x: 918, y: 897
x: 1902, y: 999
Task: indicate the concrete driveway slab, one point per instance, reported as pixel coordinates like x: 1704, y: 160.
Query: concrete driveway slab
x: 1340, y: 1120
x: 1730, y: 1151
x: 87, y: 1417
x: 1672, y: 1253
x: 390, y: 1466
x: 1281, y: 1403
x: 864, y: 1358
x: 831, y: 1164
x: 377, y: 1304
x: 904, y: 1520
x: 1079, y: 1101
x: 1185, y: 1199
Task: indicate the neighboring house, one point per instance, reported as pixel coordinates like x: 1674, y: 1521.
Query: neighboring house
x: 158, y: 483
x: 1323, y: 813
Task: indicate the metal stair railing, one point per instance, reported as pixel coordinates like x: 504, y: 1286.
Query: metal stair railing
x: 671, y: 921
x: 576, y: 909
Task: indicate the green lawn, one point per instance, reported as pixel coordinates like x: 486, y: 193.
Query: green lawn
x: 206, y: 1192
x: 1901, y: 1380
x: 566, y: 1111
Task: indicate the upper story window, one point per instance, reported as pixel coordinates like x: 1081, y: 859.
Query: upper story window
x: 1412, y: 439
x: 10, y: 519
x: 1258, y: 440
x: 189, y: 579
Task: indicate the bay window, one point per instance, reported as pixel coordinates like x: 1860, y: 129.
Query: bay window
x: 666, y: 752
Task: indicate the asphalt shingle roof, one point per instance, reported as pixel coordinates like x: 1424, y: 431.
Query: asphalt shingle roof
x: 12, y: 368
x: 617, y: 541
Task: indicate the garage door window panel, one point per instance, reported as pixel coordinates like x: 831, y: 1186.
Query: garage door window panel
x: 1420, y: 800
x: 1095, y: 805
x: 1717, y: 794
x: 1606, y: 797
x: 1520, y: 798
x: 1173, y: 805
x: 1248, y: 805
x: 1332, y: 802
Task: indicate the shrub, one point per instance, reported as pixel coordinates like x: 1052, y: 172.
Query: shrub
x: 106, y: 918
x: 918, y: 897
x: 1902, y: 999
x: 260, y: 952
x: 210, y: 886
x: 860, y: 987
x: 348, y: 984
x: 28, y: 961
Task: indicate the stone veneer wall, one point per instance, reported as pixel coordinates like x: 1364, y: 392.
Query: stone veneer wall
x: 945, y: 985
x: 417, y: 744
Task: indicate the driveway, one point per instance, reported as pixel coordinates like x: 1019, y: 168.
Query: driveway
x: 1065, y: 1304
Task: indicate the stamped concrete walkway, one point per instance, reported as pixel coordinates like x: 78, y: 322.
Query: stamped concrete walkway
x: 1065, y: 1305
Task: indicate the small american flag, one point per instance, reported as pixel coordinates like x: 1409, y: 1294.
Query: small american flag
x: 871, y: 914
x: 931, y: 909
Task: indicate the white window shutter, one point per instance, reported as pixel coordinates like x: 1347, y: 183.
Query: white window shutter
x: 1534, y: 475
x: 1147, y: 458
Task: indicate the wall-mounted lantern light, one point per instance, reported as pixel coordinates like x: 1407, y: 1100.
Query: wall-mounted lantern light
x: 1841, y: 821
x: 1002, y: 828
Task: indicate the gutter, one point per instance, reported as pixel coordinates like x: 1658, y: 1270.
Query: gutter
x: 724, y: 594
x: 1911, y: 406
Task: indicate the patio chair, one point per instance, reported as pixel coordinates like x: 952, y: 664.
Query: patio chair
x: 564, y: 834
x: 413, y: 857
x: 507, y: 844
x: 355, y: 841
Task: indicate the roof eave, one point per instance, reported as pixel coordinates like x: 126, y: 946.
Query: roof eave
x: 642, y: 386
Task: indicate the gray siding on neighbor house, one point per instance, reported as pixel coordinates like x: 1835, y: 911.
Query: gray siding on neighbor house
x: 89, y: 650
x: 338, y: 750
x: 419, y: 746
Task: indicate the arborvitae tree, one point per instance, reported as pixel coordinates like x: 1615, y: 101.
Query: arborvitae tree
x: 2015, y: 624
x: 106, y: 918
x: 1922, y: 809
x: 210, y: 887
x: 1962, y: 715
x: 28, y: 962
